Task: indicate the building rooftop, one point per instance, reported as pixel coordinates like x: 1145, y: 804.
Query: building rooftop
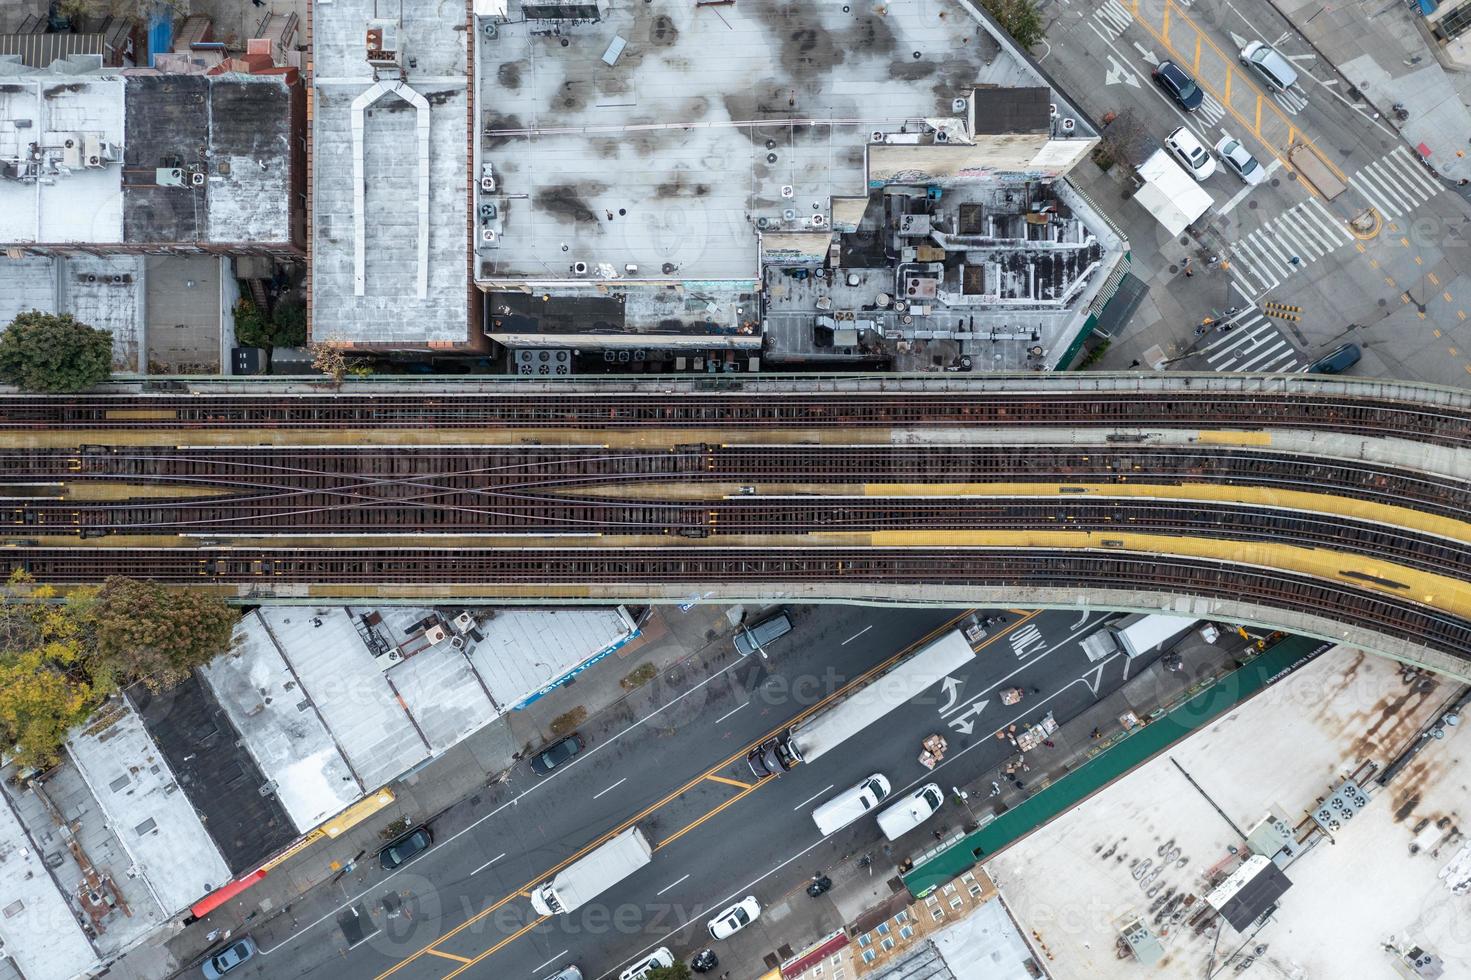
x: 390, y: 177
x: 1154, y: 846
x: 146, y: 158
x: 526, y: 652
x: 221, y: 780
x: 622, y: 141
x: 63, y: 818
x: 155, y: 822
x: 37, y: 928
x: 280, y: 728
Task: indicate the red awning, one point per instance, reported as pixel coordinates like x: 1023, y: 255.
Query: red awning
x: 814, y: 954
x: 220, y: 896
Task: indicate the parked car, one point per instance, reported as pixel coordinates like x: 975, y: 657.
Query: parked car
x: 1178, y: 85
x: 1270, y: 66
x: 735, y: 918
x: 568, y: 972
x: 228, y: 958
x: 1239, y: 161
x: 1190, y: 152
x: 557, y: 754
x: 1336, y: 361
x: 753, y: 639
x: 405, y: 848
x: 660, y: 958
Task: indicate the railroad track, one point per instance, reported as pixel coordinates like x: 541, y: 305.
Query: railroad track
x: 646, y: 573
x: 755, y: 407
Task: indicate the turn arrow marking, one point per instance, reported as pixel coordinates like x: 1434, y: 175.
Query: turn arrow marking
x: 1118, y: 73
x: 966, y: 722
x: 952, y: 694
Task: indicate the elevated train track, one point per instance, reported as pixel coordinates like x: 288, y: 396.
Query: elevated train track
x: 1332, y: 503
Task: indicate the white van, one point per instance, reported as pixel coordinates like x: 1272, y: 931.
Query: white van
x: 659, y: 959
x: 851, y: 804
x: 911, y: 811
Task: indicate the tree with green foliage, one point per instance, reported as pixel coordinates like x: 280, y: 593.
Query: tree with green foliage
x: 155, y: 634
x: 50, y: 353
x: 1019, y: 18
x: 286, y: 327
x: 679, y: 971
x: 44, y: 686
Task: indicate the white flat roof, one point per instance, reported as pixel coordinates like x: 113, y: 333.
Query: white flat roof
x: 347, y: 686
x: 525, y: 650
x: 154, y: 820
x: 37, y: 926
x: 1074, y: 880
x: 85, y: 205
x: 281, y: 731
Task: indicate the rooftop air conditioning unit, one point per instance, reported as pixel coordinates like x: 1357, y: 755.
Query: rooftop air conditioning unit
x: 1068, y: 125
x: 787, y: 190
x: 168, y: 177
x: 579, y: 268
x: 1052, y: 110
x: 464, y: 622
x: 818, y: 220
x: 197, y: 178
x: 489, y: 236
x: 958, y: 105
x: 877, y: 136
x: 436, y: 634
x: 941, y: 136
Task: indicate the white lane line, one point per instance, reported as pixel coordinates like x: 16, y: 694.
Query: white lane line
x: 538, y: 969
x: 669, y: 886
x: 365, y: 939
x: 856, y: 635
x: 730, y: 712
x: 509, y: 803
x: 488, y: 863
x: 611, y: 788
x: 810, y: 799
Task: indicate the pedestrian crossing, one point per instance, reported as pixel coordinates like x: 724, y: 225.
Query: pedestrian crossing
x: 1395, y: 183
x: 1293, y: 240
x: 1252, y: 342
x: 1112, y: 18
x: 1291, y: 102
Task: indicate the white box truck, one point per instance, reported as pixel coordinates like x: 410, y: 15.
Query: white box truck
x: 593, y: 873
x: 881, y: 694
x: 1135, y: 635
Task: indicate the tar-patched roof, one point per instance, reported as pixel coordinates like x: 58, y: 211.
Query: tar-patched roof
x: 389, y: 177
x: 649, y: 142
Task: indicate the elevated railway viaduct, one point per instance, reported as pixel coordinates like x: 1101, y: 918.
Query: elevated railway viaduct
x: 1323, y: 506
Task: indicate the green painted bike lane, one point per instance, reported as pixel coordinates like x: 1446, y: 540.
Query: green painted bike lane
x: 1117, y: 760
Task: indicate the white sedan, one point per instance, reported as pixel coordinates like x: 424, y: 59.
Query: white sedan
x: 1239, y: 161
x: 735, y: 918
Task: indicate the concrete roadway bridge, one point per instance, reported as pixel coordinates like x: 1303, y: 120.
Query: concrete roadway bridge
x: 1331, y: 507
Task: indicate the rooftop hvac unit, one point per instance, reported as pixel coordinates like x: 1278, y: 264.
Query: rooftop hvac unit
x: 458, y: 642
x: 579, y: 268
x: 487, y: 179
x: 489, y: 237
x: 818, y: 221
x: 464, y: 622
x: 1069, y: 124
x: 1052, y: 110
x: 941, y: 136
x: 790, y: 214
x: 435, y: 634
x: 958, y: 105
x: 787, y: 190
x: 877, y: 136
x: 168, y: 177
x: 543, y: 363
x: 197, y: 178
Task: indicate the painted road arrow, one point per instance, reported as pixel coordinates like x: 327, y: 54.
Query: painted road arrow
x: 952, y: 694
x: 965, y: 723
x: 1149, y: 55
x: 1118, y: 73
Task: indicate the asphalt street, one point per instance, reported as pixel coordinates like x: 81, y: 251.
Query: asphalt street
x: 1401, y: 289
x: 719, y: 835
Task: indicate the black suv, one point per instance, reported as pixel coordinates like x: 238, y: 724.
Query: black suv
x: 557, y: 754
x: 1178, y: 85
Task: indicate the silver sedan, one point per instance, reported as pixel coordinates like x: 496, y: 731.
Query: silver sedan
x: 1239, y: 161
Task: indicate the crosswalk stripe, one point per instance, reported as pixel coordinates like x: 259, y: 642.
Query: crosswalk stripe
x: 1312, y: 227
x: 1308, y: 249
x: 1237, y: 338
x: 1268, y: 244
x: 1260, y: 268
x: 1305, y: 229
x: 1371, y: 193
x: 1326, y: 220
x: 1253, y: 362
x: 1287, y: 360
x: 1416, y: 171
x: 1379, y: 172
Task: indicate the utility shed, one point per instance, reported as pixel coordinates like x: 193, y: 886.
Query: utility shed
x: 1170, y: 194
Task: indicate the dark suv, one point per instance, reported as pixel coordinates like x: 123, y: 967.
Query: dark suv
x: 1178, y: 85
x: 405, y: 848
x: 557, y: 754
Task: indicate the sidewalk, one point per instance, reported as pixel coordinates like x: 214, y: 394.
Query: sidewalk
x: 452, y: 790
x: 1378, y: 46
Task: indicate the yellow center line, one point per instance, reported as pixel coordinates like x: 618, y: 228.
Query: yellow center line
x: 491, y: 910
x: 1446, y: 296
x: 704, y: 817
x: 1230, y: 71
x: 1257, y: 126
x: 1197, y: 51
x: 449, y: 956
x: 728, y: 781
x: 498, y: 946
x: 1434, y: 280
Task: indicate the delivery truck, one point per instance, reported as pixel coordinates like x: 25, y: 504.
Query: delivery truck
x: 863, y: 706
x: 593, y: 873
x: 1135, y: 635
